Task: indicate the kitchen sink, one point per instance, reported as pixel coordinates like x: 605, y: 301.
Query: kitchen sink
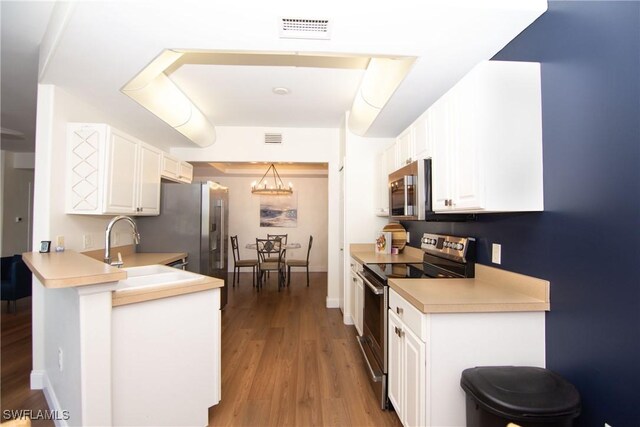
x: 155, y: 275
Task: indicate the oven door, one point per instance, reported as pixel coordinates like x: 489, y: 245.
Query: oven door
x: 373, y: 342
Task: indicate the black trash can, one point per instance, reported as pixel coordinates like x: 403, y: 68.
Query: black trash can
x: 526, y: 396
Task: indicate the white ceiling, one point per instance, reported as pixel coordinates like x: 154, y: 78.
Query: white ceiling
x: 242, y: 95
x: 23, y: 25
x: 104, y: 44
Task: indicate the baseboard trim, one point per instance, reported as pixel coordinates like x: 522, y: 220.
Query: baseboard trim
x: 333, y: 302
x: 348, y: 320
x: 40, y: 381
x: 37, y: 379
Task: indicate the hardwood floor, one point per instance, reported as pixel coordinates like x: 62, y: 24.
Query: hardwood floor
x: 15, y: 391
x: 288, y: 360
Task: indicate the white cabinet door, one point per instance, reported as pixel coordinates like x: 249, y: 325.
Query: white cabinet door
x: 149, y: 180
x: 465, y: 191
x: 405, y: 151
x: 395, y: 365
x: 422, y: 143
x: 122, y: 168
x: 170, y: 167
x: 359, y: 305
x: 185, y: 173
x: 439, y: 131
x: 414, y: 378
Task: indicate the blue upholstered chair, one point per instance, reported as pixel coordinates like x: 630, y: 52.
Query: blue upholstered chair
x: 16, y: 280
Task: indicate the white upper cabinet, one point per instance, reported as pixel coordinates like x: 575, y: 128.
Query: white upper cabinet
x: 484, y: 137
x: 110, y: 172
x: 488, y: 155
x: 176, y: 170
x: 405, y: 148
x: 423, y: 144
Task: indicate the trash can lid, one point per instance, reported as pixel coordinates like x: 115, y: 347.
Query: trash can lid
x: 522, y: 393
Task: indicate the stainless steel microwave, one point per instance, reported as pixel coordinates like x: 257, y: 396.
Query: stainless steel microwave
x: 410, y: 191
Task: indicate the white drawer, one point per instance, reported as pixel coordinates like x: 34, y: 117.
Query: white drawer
x: 410, y: 316
x: 355, y: 265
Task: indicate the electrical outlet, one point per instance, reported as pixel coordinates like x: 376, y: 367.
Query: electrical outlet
x: 87, y: 241
x: 496, y: 253
x: 60, y: 241
x: 60, y: 359
x: 408, y: 237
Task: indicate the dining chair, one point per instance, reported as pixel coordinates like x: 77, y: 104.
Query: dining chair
x: 270, y: 252
x: 16, y: 280
x: 300, y: 263
x: 240, y: 263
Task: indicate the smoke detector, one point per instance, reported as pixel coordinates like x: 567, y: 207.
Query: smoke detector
x: 305, y: 28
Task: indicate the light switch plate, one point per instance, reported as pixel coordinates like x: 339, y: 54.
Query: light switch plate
x: 496, y: 253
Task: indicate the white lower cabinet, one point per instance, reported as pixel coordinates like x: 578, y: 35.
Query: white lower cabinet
x: 357, y: 293
x: 359, y: 304
x: 407, y: 367
x: 429, y: 351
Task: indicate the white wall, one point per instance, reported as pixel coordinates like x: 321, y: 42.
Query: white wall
x: 300, y: 145
x: 51, y: 319
x: 17, y: 199
x: 244, y: 218
x: 360, y: 221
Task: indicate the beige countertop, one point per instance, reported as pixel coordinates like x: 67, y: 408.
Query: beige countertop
x: 69, y: 269
x: 364, y: 253
x: 131, y: 258
x: 492, y: 290
x: 132, y: 296
x: 72, y: 269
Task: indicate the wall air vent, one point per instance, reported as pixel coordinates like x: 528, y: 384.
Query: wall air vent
x: 273, y: 138
x: 299, y: 28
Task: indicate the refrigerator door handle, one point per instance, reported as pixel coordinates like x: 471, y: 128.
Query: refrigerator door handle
x: 223, y: 238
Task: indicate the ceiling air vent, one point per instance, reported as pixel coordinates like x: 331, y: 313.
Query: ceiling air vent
x: 299, y: 28
x: 273, y: 138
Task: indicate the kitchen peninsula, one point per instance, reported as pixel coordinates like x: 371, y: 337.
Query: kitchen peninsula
x: 135, y: 346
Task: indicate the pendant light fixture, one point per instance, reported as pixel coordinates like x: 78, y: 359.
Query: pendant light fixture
x: 276, y: 189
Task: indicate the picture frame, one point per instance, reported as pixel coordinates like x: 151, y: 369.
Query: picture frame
x: 383, y: 242
x: 45, y: 246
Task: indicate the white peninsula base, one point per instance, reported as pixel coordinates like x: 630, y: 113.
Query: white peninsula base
x: 166, y: 360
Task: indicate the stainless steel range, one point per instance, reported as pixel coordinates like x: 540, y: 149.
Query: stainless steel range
x: 444, y: 257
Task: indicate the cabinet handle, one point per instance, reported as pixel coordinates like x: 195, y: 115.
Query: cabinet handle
x: 399, y: 310
x: 399, y: 331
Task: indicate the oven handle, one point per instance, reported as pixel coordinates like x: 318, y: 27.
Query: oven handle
x: 375, y: 377
x: 375, y: 289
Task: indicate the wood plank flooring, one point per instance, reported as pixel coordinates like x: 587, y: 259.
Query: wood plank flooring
x: 286, y: 361
x: 289, y: 361
x: 15, y: 367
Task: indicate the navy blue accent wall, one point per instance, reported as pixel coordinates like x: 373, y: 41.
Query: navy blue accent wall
x: 587, y: 241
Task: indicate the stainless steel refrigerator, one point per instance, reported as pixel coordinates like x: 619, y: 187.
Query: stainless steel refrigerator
x: 194, y: 219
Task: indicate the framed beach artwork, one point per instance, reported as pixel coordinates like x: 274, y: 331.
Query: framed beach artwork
x: 279, y: 211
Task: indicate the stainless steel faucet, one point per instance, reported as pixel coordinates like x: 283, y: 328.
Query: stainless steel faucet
x: 107, y: 236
